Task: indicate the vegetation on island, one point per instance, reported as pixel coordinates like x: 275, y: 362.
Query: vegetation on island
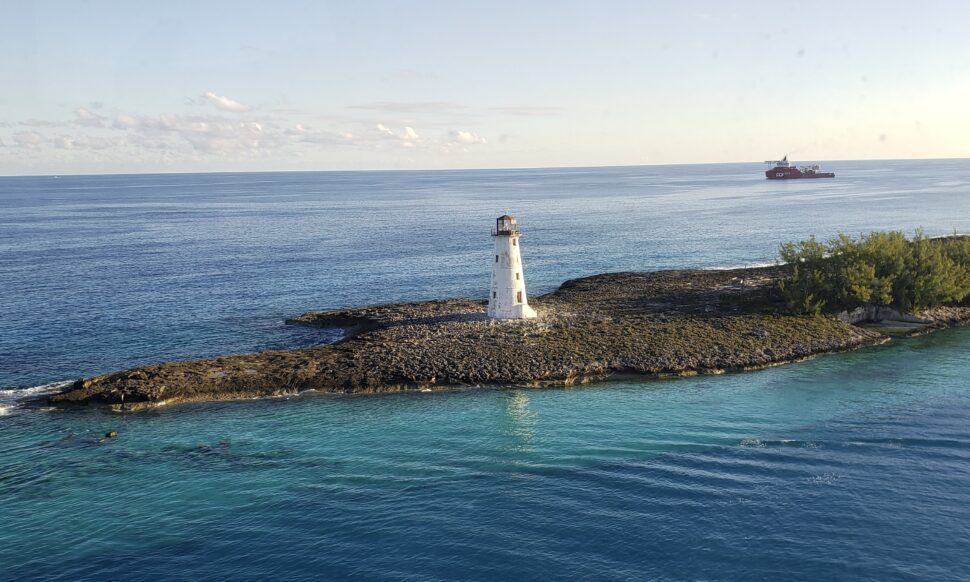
x: 880, y: 269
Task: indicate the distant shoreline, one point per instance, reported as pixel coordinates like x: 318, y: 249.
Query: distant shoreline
x: 659, y: 324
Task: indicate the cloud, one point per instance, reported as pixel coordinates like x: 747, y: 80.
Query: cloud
x: 88, y: 118
x: 82, y: 116
x: 64, y: 143
x: 84, y: 142
x: 199, y: 135
x: 28, y: 139
x: 224, y: 136
x: 42, y: 123
x: 221, y: 135
x: 225, y: 103
x: 410, y: 107
x: 408, y: 137
x: 209, y: 133
x: 124, y: 121
x: 466, y: 137
x: 384, y: 130
x: 528, y: 110
x: 304, y: 134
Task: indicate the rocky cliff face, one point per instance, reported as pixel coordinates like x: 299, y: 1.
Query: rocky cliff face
x: 663, y: 323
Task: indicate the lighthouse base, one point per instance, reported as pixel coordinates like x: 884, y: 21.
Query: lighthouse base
x: 520, y: 311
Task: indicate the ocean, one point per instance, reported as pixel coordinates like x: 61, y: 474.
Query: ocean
x: 850, y: 466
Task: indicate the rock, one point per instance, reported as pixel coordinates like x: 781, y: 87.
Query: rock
x: 111, y: 434
x: 590, y: 328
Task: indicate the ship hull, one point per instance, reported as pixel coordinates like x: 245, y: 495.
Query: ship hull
x: 795, y: 174
x: 803, y: 176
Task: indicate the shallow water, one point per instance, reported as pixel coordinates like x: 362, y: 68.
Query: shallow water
x: 847, y: 466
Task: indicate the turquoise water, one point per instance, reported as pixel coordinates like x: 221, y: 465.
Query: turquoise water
x: 847, y: 466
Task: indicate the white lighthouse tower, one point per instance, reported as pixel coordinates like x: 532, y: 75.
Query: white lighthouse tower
x: 507, y: 298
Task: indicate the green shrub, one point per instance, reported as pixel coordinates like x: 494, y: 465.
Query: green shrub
x: 880, y: 268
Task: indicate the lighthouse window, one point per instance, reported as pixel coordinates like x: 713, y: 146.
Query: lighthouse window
x: 518, y: 276
x: 494, y: 294
x: 496, y: 258
x: 518, y: 297
x: 515, y: 243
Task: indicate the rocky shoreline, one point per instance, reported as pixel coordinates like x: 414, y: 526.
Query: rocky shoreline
x: 658, y: 324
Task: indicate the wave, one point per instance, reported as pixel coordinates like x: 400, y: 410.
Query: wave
x: 753, y: 265
x: 10, y: 396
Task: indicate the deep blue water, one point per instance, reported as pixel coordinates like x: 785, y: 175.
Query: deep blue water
x: 853, y: 466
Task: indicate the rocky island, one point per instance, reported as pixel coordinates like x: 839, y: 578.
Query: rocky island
x: 663, y: 323
x: 660, y: 324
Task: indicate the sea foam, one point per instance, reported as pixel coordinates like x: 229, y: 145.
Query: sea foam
x: 10, y: 396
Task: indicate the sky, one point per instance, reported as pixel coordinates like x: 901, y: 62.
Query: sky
x: 129, y: 87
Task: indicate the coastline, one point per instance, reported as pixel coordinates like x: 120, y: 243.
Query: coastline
x: 609, y: 326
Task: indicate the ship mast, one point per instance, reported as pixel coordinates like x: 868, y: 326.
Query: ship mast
x: 782, y: 163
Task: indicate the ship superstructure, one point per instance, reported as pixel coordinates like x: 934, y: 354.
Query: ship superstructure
x: 785, y: 170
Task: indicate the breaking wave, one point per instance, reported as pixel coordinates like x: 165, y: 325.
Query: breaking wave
x: 753, y: 265
x: 10, y: 396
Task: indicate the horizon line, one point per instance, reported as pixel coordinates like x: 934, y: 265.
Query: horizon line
x: 470, y: 169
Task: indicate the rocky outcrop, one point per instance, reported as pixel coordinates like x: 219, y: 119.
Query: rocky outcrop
x: 877, y: 313
x: 663, y: 323
x: 938, y: 318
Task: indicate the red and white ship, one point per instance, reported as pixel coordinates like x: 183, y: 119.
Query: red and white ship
x: 785, y: 170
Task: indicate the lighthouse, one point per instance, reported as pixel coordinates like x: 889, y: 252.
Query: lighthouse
x: 507, y: 299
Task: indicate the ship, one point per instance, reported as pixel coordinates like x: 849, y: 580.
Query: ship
x: 785, y: 170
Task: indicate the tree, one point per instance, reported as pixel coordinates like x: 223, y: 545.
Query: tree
x: 880, y: 268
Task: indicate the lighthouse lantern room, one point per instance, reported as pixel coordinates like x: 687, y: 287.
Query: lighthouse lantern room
x: 507, y: 299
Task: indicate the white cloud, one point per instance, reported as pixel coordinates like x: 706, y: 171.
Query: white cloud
x: 225, y: 103
x: 303, y: 134
x: 384, y: 130
x: 408, y: 137
x: 221, y: 136
x: 209, y: 133
x: 28, y: 139
x: 124, y: 121
x: 88, y: 118
x: 466, y: 137
x: 42, y: 123
x: 84, y: 142
x: 92, y: 134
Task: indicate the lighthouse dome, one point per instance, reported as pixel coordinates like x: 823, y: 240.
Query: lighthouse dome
x: 505, y: 225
